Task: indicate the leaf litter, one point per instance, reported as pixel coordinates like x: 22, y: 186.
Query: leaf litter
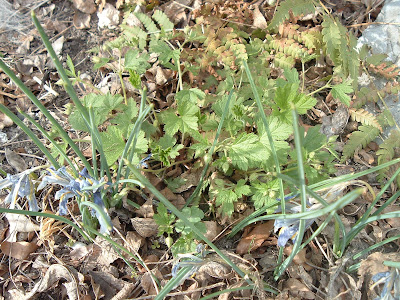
x: 97, y: 269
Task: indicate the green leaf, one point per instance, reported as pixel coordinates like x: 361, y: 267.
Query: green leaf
x: 280, y: 131
x: 297, y: 7
x: 166, y: 149
x: 359, y: 139
x: 314, y: 139
x: 114, y: 141
x: 247, y: 152
x: 190, y: 95
x: 194, y: 215
x: 137, y: 62
x: 341, y: 92
x: 102, y: 106
x: 125, y: 118
x: 185, y: 122
x: 164, y: 220
x: 265, y: 193
x: 226, y: 199
x: 163, y: 20
x: 165, y: 52
x: 242, y: 189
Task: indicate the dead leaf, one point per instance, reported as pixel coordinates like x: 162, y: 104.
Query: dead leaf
x: 147, y: 283
x: 18, y: 250
x: 58, y: 45
x: 5, y: 121
x: 15, y: 160
x: 213, y: 229
x: 299, y: 258
x: 334, y: 124
x: 146, y: 210
x: 107, y: 255
x: 134, y: 240
x: 109, y: 17
x: 146, y: 227
x: 255, y: 238
x: 259, y: 19
x: 214, y: 269
x: 19, y: 223
x: 55, y: 273
x: 81, y: 20
x: 298, y: 289
x: 85, y: 6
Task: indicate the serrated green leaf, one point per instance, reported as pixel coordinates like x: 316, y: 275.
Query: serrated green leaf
x: 164, y: 220
x: 359, y: 139
x: 194, y: 215
x: 265, y: 193
x: 297, y: 7
x: 226, y: 199
x: 190, y: 95
x: 114, y: 141
x: 314, y: 139
x: 341, y: 91
x: 242, y: 188
x: 164, y: 51
x: 185, y: 122
x: 163, y: 20
x: 247, y: 152
x: 136, y: 61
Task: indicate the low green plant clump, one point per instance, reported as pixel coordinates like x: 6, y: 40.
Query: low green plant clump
x: 233, y: 118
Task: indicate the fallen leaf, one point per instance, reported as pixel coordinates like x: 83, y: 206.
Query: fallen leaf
x: 5, y: 121
x: 299, y: 258
x: 259, y: 19
x: 109, y: 17
x: 134, y: 240
x: 255, y: 238
x: 15, y: 160
x: 298, y: 289
x: 147, y: 283
x: 19, y: 223
x: 85, y: 6
x: 81, y: 20
x: 213, y: 229
x: 54, y: 274
x: 146, y: 227
x: 18, y: 250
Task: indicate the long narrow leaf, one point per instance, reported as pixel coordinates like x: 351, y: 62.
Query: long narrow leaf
x: 46, y: 113
x: 29, y: 133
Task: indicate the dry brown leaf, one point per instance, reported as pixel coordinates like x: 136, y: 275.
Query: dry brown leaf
x: 5, y: 121
x: 146, y: 227
x: 299, y: 258
x: 147, y: 283
x: 394, y: 222
x: 259, y: 19
x: 19, y: 223
x: 15, y: 160
x: 213, y: 229
x: 298, y: 289
x: 18, y: 250
x: 255, y: 238
x: 146, y: 210
x: 108, y: 17
x: 53, y: 275
x: 134, y: 240
x: 85, y: 6
x: 81, y: 20
x: 108, y: 254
